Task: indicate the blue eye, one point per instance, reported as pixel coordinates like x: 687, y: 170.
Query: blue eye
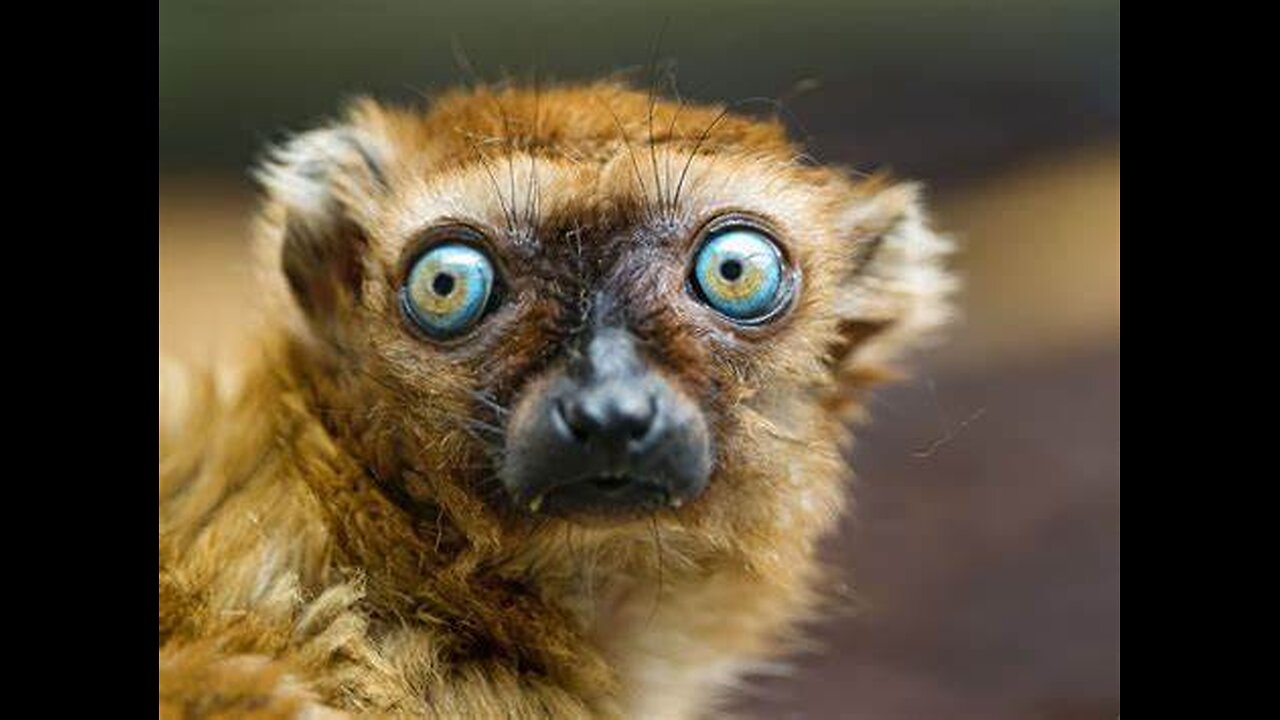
x: 448, y: 289
x: 739, y: 271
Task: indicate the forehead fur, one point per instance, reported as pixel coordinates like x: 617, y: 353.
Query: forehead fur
x: 577, y: 123
x: 541, y: 163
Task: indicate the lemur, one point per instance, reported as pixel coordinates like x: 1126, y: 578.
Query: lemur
x: 546, y: 415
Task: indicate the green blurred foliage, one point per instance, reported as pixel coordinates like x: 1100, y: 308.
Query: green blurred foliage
x: 898, y: 80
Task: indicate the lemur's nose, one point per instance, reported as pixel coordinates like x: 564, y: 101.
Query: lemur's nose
x: 611, y: 435
x: 613, y: 402
x: 614, y: 412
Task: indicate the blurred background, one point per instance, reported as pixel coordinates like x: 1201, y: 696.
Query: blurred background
x: 984, y: 549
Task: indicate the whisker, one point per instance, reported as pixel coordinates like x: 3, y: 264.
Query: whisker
x: 706, y: 133
x: 489, y: 402
x: 463, y: 62
x: 671, y: 131
x: 508, y: 141
x: 635, y: 164
x: 697, y: 145
x: 657, y: 546
x: 534, y: 191
x: 507, y: 212
x: 653, y: 100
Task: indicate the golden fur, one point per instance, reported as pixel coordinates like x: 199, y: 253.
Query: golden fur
x: 331, y: 539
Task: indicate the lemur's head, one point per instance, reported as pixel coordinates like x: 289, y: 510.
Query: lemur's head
x: 585, y: 305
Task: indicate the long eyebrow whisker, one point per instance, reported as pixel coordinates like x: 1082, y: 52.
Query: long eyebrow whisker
x: 671, y: 130
x: 626, y: 140
x: 653, y: 100
x: 508, y: 140
x: 535, y: 189
x: 697, y: 145
x: 507, y: 212
x: 706, y: 133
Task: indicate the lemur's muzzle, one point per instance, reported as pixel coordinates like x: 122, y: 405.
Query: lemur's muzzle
x: 609, y: 436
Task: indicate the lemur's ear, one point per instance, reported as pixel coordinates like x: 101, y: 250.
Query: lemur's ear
x: 321, y: 186
x: 897, y: 290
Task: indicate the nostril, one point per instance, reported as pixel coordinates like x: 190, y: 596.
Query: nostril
x: 642, y: 422
x: 571, y: 421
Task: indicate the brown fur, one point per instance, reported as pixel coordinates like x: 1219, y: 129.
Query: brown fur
x: 332, y: 538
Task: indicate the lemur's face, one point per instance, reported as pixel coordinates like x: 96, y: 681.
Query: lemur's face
x: 617, y: 328
x: 581, y: 304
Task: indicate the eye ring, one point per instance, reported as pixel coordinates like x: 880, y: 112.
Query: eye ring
x: 449, y: 284
x: 741, y: 271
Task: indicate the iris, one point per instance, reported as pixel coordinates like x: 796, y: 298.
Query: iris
x: 448, y: 289
x: 739, y: 271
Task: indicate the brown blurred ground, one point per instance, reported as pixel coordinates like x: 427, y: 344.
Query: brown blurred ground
x: 985, y: 547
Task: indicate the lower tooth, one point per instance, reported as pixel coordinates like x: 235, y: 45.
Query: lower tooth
x: 536, y: 504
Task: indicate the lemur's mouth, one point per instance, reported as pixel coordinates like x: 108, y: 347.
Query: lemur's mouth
x: 609, y: 483
x: 605, y: 495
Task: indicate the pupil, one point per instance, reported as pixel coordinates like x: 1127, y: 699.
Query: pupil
x: 731, y: 270
x: 442, y: 284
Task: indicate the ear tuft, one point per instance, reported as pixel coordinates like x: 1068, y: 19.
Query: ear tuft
x: 897, y: 295
x: 317, y: 172
x: 322, y: 188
